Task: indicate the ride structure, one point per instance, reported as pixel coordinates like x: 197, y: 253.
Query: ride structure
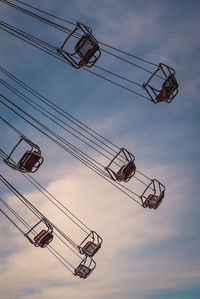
x: 113, y: 163
x: 22, y: 214
x: 85, y: 52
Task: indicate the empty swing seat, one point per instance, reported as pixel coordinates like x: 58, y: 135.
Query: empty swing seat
x: 29, y: 161
x: 125, y: 172
x: 168, y: 87
x: 153, y: 201
x: 86, y: 48
x: 43, y: 238
x: 82, y: 271
x: 91, y: 248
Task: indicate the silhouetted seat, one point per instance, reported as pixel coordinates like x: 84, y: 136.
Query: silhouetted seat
x: 91, y: 244
x: 82, y: 271
x: 86, y: 48
x: 43, y: 238
x: 153, y: 194
x: 169, y: 88
x: 30, y: 161
x: 91, y: 248
x: 85, y: 268
x: 126, y: 171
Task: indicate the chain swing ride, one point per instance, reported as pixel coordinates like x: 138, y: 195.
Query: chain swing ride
x: 113, y: 163
x: 161, y: 86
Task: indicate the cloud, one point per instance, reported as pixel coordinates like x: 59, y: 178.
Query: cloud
x: 126, y: 229
x: 145, y: 253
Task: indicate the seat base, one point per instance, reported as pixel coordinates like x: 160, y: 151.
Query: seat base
x: 91, y: 248
x: 43, y: 238
x: 82, y: 271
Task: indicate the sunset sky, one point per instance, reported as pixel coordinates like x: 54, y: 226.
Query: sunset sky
x: 146, y: 254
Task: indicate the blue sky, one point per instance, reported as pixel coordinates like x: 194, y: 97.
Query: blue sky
x: 146, y: 254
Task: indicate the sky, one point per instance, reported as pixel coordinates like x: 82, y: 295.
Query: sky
x: 146, y: 254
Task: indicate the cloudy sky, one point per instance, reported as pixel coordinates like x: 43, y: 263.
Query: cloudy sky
x: 145, y: 254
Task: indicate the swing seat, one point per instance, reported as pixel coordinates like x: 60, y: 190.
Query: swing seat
x: 86, y: 47
x: 91, y: 248
x: 82, y: 271
x: 153, y: 201
x: 125, y: 172
x: 29, y: 160
x: 43, y: 238
x: 168, y: 87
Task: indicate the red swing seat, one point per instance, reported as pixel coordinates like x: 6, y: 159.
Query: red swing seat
x: 151, y: 201
x: 43, y: 238
x: 125, y: 172
x: 29, y: 160
x: 91, y: 248
x: 82, y: 271
x: 86, y: 48
x: 168, y: 87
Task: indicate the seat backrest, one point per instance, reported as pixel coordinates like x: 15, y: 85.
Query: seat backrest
x: 128, y: 170
x: 125, y: 171
x: 151, y: 201
x: 169, y: 85
x: 82, y: 271
x: 86, y: 47
x: 43, y: 238
x: 29, y: 159
x: 91, y: 248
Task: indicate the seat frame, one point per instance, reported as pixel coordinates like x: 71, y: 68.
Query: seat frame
x: 86, y: 60
x: 44, y: 234
x: 19, y: 165
x: 155, y: 188
x: 88, y: 265
x: 94, y: 241
x: 32, y: 230
x: 128, y: 157
x: 169, y: 75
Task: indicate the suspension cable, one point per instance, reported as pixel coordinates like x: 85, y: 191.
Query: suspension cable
x: 62, y: 112
x: 71, y: 146
x: 39, y: 108
x: 43, y: 46
x: 75, y: 148
x: 66, y: 30
x: 59, y: 110
x: 36, y: 212
x: 104, y: 44
x: 51, y: 249
x: 116, y: 184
